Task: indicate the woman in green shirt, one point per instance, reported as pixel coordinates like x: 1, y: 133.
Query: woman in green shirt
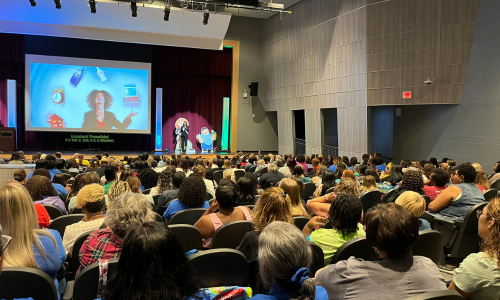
x: 342, y: 225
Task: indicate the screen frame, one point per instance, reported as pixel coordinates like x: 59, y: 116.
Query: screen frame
x: 89, y: 62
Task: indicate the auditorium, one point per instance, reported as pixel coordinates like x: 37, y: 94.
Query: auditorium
x: 249, y: 149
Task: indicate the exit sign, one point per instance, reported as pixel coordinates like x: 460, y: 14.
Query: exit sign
x: 406, y: 95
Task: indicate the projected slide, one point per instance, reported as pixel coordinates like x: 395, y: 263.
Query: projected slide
x: 82, y: 95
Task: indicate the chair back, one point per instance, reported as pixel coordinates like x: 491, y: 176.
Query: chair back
x: 467, y: 240
x: 22, y: 282
x: 370, y: 199
x: 159, y: 218
x: 87, y: 282
x: 495, y: 185
x: 308, y: 191
x: 430, y: 245
x: 300, y: 221
x: 67, y: 176
x: 77, y: 211
x: 71, y: 181
x: 427, y: 201
x: 188, y: 216
x: 60, y: 223
x: 252, y: 169
x: 357, y: 247
x: 53, y: 211
x: 318, y: 261
x: 388, y: 195
x: 75, y: 258
x: 263, y: 171
x: 217, y: 176
x: 230, y: 235
x: 155, y: 199
x: 239, y: 173
x: 330, y: 190
x: 437, y: 295
x: 490, y: 194
x: 250, y: 206
x: 146, y: 191
x: 189, y: 236
x: 221, y: 267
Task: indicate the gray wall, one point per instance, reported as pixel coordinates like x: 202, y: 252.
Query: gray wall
x: 465, y: 132
x: 259, y: 132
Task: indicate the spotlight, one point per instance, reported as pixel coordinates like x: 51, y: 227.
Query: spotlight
x: 92, y: 6
x: 32, y: 2
x: 206, y: 14
x: 58, y: 4
x: 166, y: 13
x: 133, y: 7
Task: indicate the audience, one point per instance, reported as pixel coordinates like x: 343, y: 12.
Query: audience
x: 20, y: 176
x: 292, y: 191
x: 148, y: 179
x: 135, y: 187
x: 343, y: 225
x: 160, y: 269
x: 91, y: 201
x: 454, y: 202
x: 170, y: 194
x: 128, y: 210
x: 495, y: 176
x: 395, y: 176
x: 30, y: 246
x: 481, y: 180
x: 192, y: 194
x: 320, y: 206
x: 225, y: 202
x: 298, y: 172
x: 369, y: 184
x: 116, y: 190
x: 200, y: 170
x: 284, y: 258
x: 288, y: 169
x: 391, y: 230
x: 437, y: 183
x: 247, y: 191
x: 59, y: 181
x: 229, y: 175
x: 110, y: 175
x: 412, y: 181
x: 416, y: 204
x: 270, y: 178
x: 476, y: 277
x: 87, y: 178
x: 42, y: 192
x: 328, y: 182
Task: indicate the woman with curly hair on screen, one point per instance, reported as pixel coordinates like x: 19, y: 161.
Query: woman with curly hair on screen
x: 192, y: 194
x: 99, y: 117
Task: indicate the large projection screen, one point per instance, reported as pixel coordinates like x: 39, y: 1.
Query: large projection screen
x: 87, y: 95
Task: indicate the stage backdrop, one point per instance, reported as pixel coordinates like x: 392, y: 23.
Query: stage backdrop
x: 194, y: 82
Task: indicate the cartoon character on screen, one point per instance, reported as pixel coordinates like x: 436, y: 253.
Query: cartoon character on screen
x: 182, y: 129
x: 99, y: 117
x: 206, y: 139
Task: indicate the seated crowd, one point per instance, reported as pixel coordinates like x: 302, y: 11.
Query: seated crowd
x: 122, y: 200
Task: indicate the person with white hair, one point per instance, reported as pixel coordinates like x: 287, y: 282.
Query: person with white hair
x: 284, y: 258
x: 270, y: 178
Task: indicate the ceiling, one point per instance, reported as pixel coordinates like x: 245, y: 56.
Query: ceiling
x: 114, y: 22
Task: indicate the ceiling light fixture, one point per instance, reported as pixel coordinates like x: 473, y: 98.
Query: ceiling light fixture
x: 133, y: 7
x: 58, y: 4
x: 206, y: 15
x: 92, y: 6
x: 32, y: 2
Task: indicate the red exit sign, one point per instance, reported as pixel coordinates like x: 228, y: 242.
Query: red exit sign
x: 406, y: 95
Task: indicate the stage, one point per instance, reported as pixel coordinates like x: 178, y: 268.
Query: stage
x: 118, y: 154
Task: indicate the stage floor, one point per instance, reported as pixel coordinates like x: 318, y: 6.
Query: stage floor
x: 119, y: 154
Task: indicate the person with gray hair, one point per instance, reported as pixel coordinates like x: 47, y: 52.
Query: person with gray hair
x: 284, y: 258
x: 128, y: 210
x: 270, y: 178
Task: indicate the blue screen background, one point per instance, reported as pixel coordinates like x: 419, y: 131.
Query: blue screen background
x: 45, y: 78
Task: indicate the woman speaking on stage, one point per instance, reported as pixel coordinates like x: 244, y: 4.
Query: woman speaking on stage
x: 99, y: 117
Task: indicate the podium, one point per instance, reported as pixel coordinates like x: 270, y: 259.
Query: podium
x: 7, y: 139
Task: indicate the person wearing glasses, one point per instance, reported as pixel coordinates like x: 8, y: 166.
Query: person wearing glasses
x: 30, y: 247
x: 478, y: 276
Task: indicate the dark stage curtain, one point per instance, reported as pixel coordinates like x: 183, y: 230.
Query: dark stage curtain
x: 194, y: 84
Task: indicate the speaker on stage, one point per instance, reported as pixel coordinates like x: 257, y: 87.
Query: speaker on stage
x: 254, y: 89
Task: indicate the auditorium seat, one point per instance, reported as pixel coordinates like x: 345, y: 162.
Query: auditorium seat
x: 300, y: 221
x: 371, y: 199
x: 239, y: 173
x: 230, y: 235
x: 67, y: 176
x: 263, y: 171
x: 437, y: 295
x: 61, y: 222
x: 71, y: 181
x: 221, y: 267
x: 21, y: 282
x: 188, y: 216
x: 490, y: 194
x: 308, y: 191
x: 252, y: 169
x: 388, y: 195
x: 430, y: 245
x: 330, y: 190
x: 53, y: 211
x: 155, y: 200
x: 357, y: 247
x: 495, y: 185
x: 189, y: 236
x: 427, y: 201
x: 217, y: 176
x: 318, y: 261
x: 75, y: 259
x: 84, y: 287
x: 462, y: 237
x: 146, y: 191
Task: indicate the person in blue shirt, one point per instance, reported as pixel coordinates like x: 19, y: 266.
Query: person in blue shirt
x: 153, y: 266
x: 52, y: 161
x: 59, y: 183
x: 41, y: 164
x: 334, y: 161
x: 284, y: 257
x: 192, y: 194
